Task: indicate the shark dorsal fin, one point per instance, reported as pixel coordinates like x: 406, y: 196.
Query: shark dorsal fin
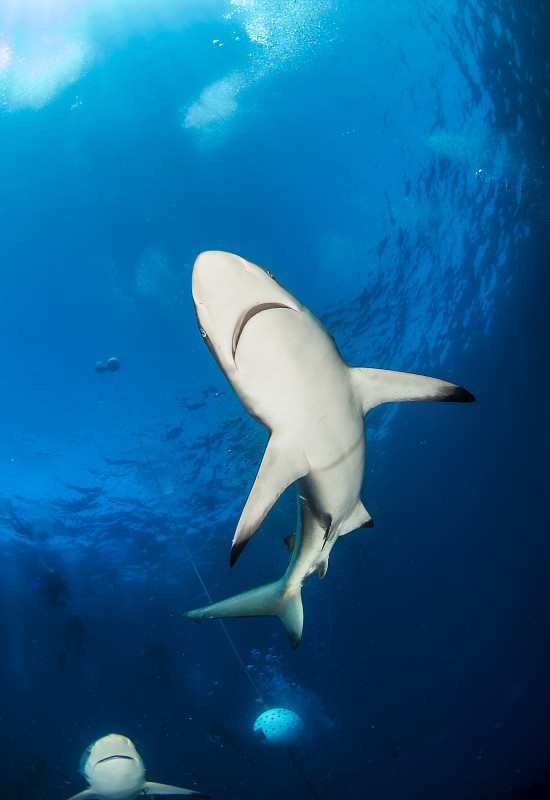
x: 281, y: 466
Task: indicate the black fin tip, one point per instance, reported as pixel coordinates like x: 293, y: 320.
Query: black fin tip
x: 458, y: 395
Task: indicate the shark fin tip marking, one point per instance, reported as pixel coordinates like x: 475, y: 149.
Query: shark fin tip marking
x: 459, y: 395
x: 236, y: 550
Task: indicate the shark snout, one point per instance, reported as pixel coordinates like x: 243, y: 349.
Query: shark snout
x: 229, y: 292
x: 212, y: 270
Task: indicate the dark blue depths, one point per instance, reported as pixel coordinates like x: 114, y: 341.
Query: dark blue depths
x: 388, y: 164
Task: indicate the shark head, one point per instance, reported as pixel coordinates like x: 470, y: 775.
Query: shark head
x: 228, y: 292
x: 113, y: 768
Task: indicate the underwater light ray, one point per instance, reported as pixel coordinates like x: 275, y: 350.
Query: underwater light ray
x: 31, y: 16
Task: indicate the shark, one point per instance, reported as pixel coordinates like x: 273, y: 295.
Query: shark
x: 288, y: 373
x: 114, y: 769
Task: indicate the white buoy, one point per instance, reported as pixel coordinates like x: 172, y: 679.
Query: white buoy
x: 278, y: 727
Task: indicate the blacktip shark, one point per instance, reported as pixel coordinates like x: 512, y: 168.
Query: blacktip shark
x: 289, y: 375
x: 114, y: 769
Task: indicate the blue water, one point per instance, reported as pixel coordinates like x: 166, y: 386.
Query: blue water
x: 387, y: 161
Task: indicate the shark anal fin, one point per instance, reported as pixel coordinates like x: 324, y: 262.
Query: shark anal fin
x: 322, y: 569
x: 152, y: 788
x: 281, y: 466
x: 375, y: 386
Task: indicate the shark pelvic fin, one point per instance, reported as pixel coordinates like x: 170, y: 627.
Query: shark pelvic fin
x: 163, y: 789
x: 375, y: 386
x: 269, y: 600
x: 359, y: 518
x: 280, y: 467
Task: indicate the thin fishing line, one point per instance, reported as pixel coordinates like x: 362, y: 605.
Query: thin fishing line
x: 305, y: 778
x: 168, y: 507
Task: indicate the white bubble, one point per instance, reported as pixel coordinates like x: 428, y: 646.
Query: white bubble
x: 152, y: 272
x: 33, y: 76
x: 216, y: 103
x: 284, y: 33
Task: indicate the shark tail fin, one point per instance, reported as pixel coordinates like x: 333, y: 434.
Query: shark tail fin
x: 269, y: 600
x: 164, y: 789
x: 291, y: 615
x: 375, y: 386
x: 281, y: 465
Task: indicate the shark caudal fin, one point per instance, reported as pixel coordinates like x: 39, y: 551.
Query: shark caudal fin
x: 375, y: 386
x: 270, y: 600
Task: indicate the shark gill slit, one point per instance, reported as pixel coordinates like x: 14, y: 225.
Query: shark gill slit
x: 170, y: 512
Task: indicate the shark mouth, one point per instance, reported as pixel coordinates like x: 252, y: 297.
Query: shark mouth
x: 114, y: 758
x: 245, y: 318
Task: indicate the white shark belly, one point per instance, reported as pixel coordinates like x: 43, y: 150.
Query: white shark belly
x: 293, y: 388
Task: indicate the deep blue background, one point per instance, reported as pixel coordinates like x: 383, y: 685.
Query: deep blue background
x: 388, y: 162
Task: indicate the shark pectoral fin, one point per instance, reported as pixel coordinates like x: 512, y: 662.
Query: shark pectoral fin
x: 162, y: 788
x: 375, y: 386
x: 87, y: 794
x: 269, y: 600
x: 281, y: 466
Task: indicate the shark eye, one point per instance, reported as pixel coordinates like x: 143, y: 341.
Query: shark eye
x: 274, y: 279
x: 203, y: 333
